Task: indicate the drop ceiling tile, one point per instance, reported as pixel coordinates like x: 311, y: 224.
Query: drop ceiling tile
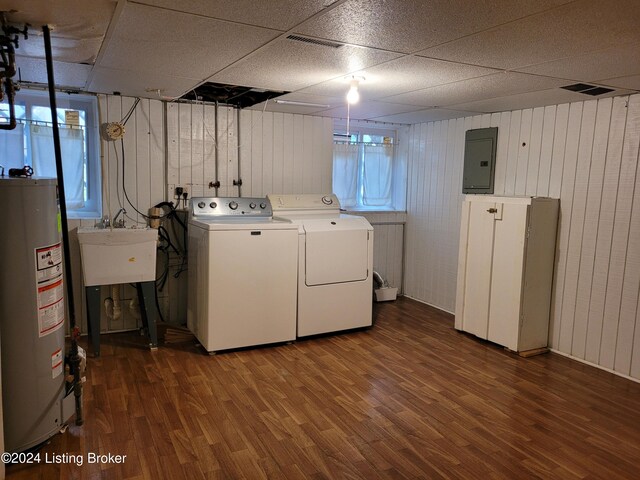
x: 77, y: 27
x: 320, y: 102
x: 410, y: 25
x: 366, y: 110
x: 164, y: 42
x: 565, y: 32
x: 543, y: 98
x: 276, y: 14
x: 402, y: 75
x: 291, y: 65
x: 136, y: 84
x: 426, y: 115
x: 279, y: 108
x: 65, y: 74
x: 631, y: 82
x: 489, y: 86
x: 613, y: 62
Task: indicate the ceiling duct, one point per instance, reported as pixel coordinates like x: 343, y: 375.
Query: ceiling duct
x: 587, y: 89
x: 235, y: 95
x: 314, y: 41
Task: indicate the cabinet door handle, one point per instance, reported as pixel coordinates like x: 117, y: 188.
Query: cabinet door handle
x: 493, y: 210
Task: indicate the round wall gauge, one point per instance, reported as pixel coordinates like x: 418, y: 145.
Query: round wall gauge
x: 113, y: 130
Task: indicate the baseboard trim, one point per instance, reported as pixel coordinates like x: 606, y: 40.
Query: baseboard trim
x: 586, y: 362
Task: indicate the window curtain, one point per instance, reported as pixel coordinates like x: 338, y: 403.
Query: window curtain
x: 345, y: 173
x: 376, y: 178
x: 72, y: 148
x: 12, y: 148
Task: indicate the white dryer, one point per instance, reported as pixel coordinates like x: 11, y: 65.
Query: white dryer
x: 335, y: 263
x: 242, y: 274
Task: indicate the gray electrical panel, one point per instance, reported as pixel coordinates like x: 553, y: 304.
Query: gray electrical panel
x: 479, y: 160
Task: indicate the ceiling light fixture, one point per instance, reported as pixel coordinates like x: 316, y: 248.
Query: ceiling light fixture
x: 353, y: 96
x: 301, y: 104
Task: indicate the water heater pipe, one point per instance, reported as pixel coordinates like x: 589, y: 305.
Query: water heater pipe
x: 75, y: 331
x: 239, y: 146
x: 215, y: 144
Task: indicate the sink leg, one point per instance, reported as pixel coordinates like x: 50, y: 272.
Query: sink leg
x: 93, y: 317
x: 146, y: 298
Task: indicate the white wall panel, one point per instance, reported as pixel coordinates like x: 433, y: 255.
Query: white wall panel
x: 279, y: 152
x: 208, y: 151
x: 626, y: 244
x: 285, y: 153
x: 576, y: 225
x: 621, y: 227
x: 524, y: 148
x: 590, y: 220
x: 513, y: 153
x: 546, y: 152
x: 388, y: 244
x: 502, y: 151
x: 586, y: 154
x: 535, y: 147
x: 566, y: 207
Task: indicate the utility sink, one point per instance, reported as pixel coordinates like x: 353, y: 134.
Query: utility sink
x: 118, y: 255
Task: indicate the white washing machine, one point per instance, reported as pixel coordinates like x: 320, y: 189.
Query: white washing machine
x: 242, y: 274
x: 335, y: 263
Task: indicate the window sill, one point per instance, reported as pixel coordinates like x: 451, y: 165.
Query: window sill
x: 373, y: 210
x: 83, y: 215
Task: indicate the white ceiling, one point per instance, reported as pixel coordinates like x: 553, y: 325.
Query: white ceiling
x: 422, y: 60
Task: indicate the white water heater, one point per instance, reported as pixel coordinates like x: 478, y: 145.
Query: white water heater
x: 32, y: 311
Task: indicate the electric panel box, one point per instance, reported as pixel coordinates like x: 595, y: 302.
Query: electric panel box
x: 479, y: 160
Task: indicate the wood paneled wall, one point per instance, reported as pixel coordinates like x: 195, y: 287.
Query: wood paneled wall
x: 388, y: 244
x: 584, y: 153
x: 278, y: 152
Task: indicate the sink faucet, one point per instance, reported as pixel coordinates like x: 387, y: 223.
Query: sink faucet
x: 115, y: 219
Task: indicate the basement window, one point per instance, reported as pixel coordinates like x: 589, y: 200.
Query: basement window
x: 31, y: 143
x: 363, y: 164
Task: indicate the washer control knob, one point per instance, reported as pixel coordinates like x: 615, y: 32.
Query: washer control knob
x: 233, y: 205
x: 263, y: 205
x: 252, y: 205
x: 201, y: 204
x: 213, y: 204
x: 327, y: 200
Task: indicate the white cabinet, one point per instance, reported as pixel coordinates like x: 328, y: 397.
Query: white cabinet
x: 505, y: 269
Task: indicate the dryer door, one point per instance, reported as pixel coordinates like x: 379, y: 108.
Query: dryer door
x: 336, y: 251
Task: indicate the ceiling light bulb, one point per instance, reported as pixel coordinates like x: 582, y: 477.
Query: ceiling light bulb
x: 353, y: 96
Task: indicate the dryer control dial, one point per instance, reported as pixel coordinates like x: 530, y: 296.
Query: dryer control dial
x: 201, y: 204
x: 213, y: 204
x: 233, y: 205
x: 327, y: 200
x: 263, y: 206
x: 252, y: 205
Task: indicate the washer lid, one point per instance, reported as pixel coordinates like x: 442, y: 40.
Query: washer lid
x: 337, y: 250
x: 243, y: 223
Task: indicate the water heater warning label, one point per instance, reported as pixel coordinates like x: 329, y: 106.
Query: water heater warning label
x: 49, y: 288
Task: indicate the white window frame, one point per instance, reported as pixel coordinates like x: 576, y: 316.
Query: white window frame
x: 359, y: 131
x: 89, y: 104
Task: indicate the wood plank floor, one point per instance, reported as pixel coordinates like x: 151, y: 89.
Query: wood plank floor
x: 408, y: 398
